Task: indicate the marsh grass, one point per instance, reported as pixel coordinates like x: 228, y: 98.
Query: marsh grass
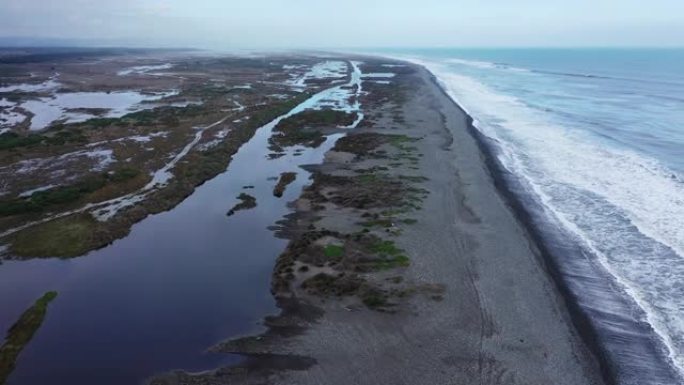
x: 333, y: 251
x: 246, y: 202
x: 65, y: 237
x: 43, y: 200
x: 21, y: 333
x: 285, y: 179
x: 391, y: 256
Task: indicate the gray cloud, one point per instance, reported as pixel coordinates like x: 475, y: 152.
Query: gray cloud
x: 351, y: 23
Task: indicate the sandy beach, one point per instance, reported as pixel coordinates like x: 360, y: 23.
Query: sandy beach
x: 482, y: 307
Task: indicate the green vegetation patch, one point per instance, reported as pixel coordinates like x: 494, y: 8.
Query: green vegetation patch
x: 333, y: 251
x: 413, y: 178
x: 368, y: 178
x: 390, y: 256
x: 392, y: 262
x: 166, y: 116
x: 381, y: 222
x: 12, y: 140
x: 41, y: 201
x: 246, y: 202
x: 366, y: 144
x: 65, y: 237
x: 263, y: 116
x: 401, y: 142
x: 339, y: 285
x: 123, y: 174
x: 360, y: 144
x: 303, y: 128
x: 62, y: 137
x: 364, y: 191
x: 374, y: 298
x: 285, y: 179
x: 21, y: 333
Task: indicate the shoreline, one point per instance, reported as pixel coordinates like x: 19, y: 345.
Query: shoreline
x: 501, y: 178
x: 404, y: 252
x: 560, y: 254
x: 484, y: 324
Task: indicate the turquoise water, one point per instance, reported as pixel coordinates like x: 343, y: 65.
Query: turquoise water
x: 595, y: 137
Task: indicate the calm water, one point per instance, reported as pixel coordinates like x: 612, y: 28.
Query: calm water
x: 181, y: 281
x: 595, y: 139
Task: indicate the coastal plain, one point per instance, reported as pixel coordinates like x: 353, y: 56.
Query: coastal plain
x: 399, y: 263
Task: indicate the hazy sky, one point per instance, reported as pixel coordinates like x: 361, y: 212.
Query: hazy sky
x: 349, y: 23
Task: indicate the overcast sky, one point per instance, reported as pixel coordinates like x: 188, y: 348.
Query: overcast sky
x: 227, y: 24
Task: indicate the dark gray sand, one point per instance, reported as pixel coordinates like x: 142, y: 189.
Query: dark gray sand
x: 500, y: 319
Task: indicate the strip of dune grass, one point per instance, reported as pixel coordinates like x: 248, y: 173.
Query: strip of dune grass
x: 391, y: 256
x: 21, y: 333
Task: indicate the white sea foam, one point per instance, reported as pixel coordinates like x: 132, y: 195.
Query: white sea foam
x: 473, y: 63
x: 628, y: 209
x: 485, y: 65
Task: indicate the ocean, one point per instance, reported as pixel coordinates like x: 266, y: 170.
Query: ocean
x: 591, y: 142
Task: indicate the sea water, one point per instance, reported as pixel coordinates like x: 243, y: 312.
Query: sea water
x: 595, y: 137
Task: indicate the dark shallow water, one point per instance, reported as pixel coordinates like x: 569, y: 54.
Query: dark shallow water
x: 155, y: 301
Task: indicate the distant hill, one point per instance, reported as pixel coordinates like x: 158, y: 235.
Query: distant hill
x: 18, y: 41
x: 35, y: 50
